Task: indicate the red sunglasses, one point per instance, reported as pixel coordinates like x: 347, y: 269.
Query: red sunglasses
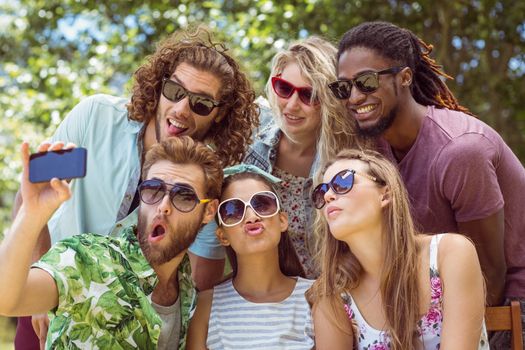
x: 285, y: 89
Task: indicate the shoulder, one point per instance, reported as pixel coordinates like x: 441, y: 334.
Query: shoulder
x: 455, y: 248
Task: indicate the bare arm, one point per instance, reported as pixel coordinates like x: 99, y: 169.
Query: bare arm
x: 463, y: 293
x: 198, y: 328
x: 206, y: 273
x: 487, y: 235
x: 333, y: 329
x: 26, y: 292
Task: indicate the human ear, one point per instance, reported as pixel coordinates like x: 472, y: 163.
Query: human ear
x: 406, y: 77
x: 210, y: 210
x: 283, y: 221
x: 386, y: 196
x: 221, y: 236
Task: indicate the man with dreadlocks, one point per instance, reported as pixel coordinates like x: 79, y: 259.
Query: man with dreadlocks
x: 460, y: 174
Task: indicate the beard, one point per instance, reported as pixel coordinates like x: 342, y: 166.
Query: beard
x: 380, y: 127
x: 177, y: 238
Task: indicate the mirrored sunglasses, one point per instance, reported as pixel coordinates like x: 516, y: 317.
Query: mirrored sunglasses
x: 232, y: 211
x: 285, y: 89
x: 341, y: 183
x: 367, y: 83
x: 199, y: 104
x: 183, y: 197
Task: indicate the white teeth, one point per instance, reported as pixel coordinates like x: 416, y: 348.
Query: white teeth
x: 293, y: 117
x: 365, y: 109
x: 176, y: 124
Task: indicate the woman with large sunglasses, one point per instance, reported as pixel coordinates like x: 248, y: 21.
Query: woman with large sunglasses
x: 383, y: 284
x: 308, y: 124
x: 263, y: 305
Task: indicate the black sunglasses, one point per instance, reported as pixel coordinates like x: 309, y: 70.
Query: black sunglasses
x: 367, y: 83
x: 232, y: 211
x: 341, y: 183
x: 199, y: 104
x: 182, y: 196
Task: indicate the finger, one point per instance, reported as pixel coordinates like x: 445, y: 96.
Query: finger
x: 44, y: 146
x: 62, y: 188
x: 56, y: 146
x: 42, y: 337
x: 35, y: 324
x: 70, y: 145
x: 24, y: 151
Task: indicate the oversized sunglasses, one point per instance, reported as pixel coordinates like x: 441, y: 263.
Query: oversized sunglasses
x: 285, y: 89
x: 182, y: 196
x: 199, y: 104
x: 341, y: 183
x: 367, y: 83
x: 232, y: 211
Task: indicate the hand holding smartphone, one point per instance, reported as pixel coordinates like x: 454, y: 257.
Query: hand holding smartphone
x: 63, y: 164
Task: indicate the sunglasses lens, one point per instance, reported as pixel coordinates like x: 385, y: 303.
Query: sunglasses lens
x: 201, y: 106
x: 282, y: 88
x: 264, y: 204
x: 341, y: 89
x: 305, y: 94
x: 343, y: 182
x: 231, y: 211
x: 173, y: 91
x: 367, y: 83
x: 151, y: 191
x: 183, y: 198
x: 318, y: 195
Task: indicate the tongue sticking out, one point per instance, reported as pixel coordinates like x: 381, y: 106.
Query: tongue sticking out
x: 174, y: 130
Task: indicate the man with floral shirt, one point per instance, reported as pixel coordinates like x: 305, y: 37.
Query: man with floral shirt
x: 134, y: 291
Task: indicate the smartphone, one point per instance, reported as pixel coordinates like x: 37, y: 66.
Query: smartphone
x: 62, y: 164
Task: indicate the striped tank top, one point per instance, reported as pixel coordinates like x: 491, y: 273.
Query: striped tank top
x: 236, y: 323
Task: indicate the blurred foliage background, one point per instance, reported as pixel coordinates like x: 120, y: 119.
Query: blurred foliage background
x: 55, y: 52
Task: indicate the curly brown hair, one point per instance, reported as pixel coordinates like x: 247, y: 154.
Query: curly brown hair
x: 238, y: 114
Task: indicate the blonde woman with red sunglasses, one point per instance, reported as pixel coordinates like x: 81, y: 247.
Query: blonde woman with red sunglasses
x: 307, y: 123
x: 263, y: 304
x: 383, y: 284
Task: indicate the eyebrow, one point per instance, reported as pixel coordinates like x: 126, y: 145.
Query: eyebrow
x: 201, y: 93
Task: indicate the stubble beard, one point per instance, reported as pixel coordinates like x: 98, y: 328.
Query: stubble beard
x: 378, y: 128
x: 179, y: 237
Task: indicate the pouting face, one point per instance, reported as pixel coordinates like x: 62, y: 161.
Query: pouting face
x: 255, y: 233
x: 358, y: 209
x: 177, y: 118
x: 298, y: 118
x: 163, y: 231
x: 374, y: 112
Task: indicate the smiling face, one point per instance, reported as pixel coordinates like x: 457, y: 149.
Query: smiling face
x: 356, y: 210
x: 254, y: 234
x: 298, y: 119
x: 177, y: 118
x: 377, y: 111
x: 163, y: 231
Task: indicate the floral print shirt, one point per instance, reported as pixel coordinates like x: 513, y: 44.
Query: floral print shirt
x: 104, y: 285
x: 429, y: 326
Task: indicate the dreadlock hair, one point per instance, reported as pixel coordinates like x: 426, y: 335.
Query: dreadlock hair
x: 405, y: 49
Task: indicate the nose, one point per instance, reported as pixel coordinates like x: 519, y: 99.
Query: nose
x: 251, y: 216
x: 182, y: 108
x: 165, y: 207
x: 293, y: 101
x: 356, y: 96
x: 329, y: 196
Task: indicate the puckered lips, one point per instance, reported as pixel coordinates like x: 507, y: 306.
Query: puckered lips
x: 157, y: 231
x: 175, y: 127
x: 332, y: 211
x: 254, y: 229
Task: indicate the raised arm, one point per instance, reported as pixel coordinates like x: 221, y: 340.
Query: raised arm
x: 25, y: 291
x: 463, y: 293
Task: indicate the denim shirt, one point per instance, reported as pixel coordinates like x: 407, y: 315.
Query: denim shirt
x: 263, y: 154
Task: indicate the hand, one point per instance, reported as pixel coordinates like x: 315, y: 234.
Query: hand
x: 40, y: 324
x: 43, y: 198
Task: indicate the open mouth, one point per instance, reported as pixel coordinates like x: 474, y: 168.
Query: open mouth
x: 254, y: 229
x: 157, y: 233
x: 175, y: 128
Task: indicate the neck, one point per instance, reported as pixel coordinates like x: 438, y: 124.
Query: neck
x: 403, y: 132
x: 300, y: 146
x: 166, y: 291
x: 150, y: 136
x: 259, y: 275
x: 368, y: 248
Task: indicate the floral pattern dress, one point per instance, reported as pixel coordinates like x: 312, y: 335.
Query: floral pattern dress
x: 429, y: 326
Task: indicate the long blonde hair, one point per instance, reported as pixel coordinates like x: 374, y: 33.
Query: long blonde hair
x: 316, y: 58
x: 341, y: 270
